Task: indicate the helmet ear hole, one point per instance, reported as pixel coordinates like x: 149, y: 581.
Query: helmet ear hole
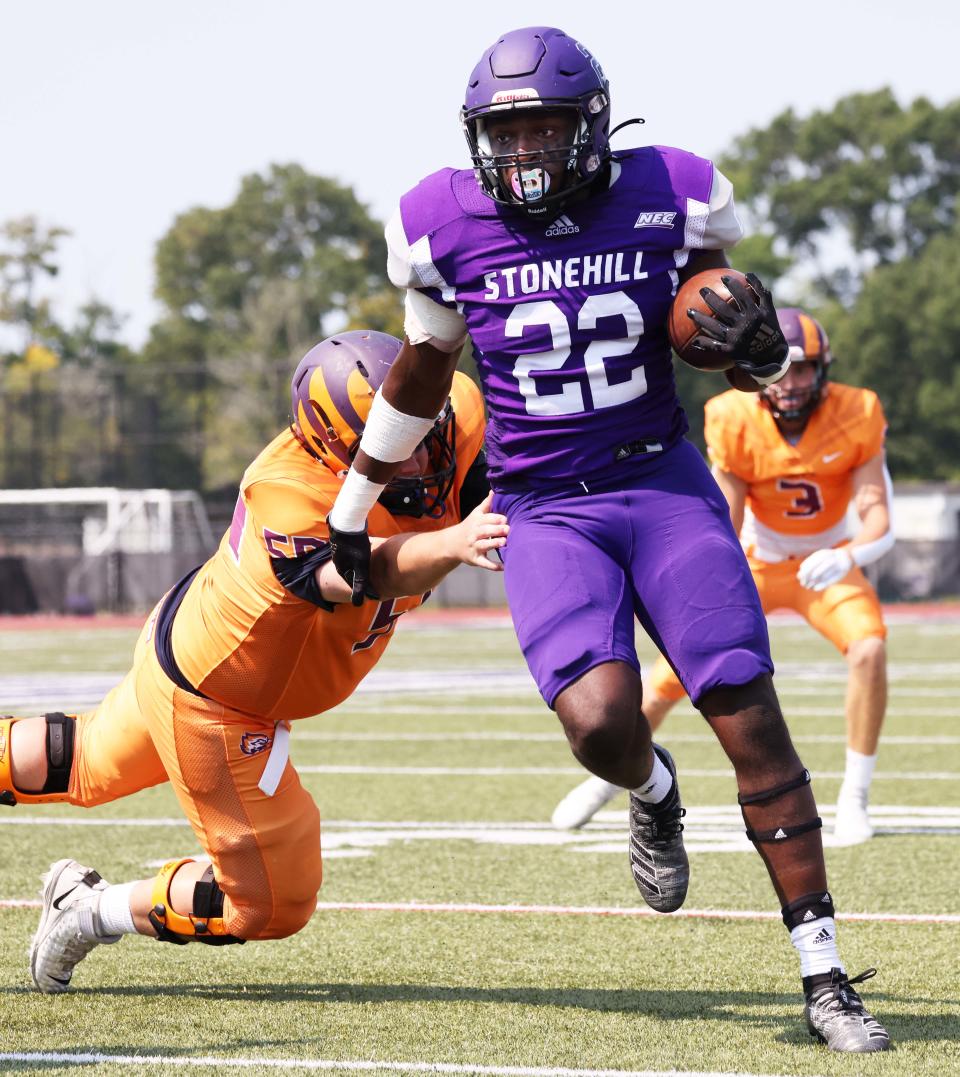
x: 329, y: 428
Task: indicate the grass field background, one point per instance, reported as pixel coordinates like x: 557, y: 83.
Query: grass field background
x: 436, y: 784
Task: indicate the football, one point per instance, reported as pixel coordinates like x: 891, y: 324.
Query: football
x: 741, y: 380
x: 682, y: 330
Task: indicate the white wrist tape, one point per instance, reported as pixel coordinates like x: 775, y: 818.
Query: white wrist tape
x: 357, y: 497
x: 871, y: 551
x: 390, y: 435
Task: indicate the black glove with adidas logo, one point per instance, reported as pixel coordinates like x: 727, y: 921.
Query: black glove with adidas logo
x: 747, y: 330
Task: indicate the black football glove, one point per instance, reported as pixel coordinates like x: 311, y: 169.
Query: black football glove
x: 748, y: 332
x: 350, y: 552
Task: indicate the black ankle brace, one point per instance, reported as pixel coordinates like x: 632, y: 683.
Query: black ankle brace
x: 807, y: 908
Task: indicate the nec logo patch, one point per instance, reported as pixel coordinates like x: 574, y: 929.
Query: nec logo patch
x: 659, y: 218
x: 254, y: 743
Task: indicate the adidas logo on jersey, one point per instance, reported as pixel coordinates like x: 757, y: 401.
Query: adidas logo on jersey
x: 562, y: 226
x: 660, y: 218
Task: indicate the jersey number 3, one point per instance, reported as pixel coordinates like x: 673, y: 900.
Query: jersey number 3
x: 807, y: 499
x: 569, y: 401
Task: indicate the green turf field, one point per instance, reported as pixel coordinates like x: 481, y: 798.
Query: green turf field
x: 439, y: 793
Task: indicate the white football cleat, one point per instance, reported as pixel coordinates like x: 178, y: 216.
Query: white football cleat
x: 581, y: 804
x: 70, y: 925
x: 852, y: 824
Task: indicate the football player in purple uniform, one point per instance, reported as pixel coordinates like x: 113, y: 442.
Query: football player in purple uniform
x: 560, y: 258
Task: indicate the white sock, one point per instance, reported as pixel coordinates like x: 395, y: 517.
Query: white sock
x: 657, y: 786
x: 115, y: 914
x: 816, y: 943
x: 858, y: 775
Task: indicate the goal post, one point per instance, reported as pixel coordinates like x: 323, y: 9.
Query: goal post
x: 83, y: 549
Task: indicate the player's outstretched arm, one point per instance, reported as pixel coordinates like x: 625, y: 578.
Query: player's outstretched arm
x: 415, y: 562
x: 872, y: 492
x: 402, y: 415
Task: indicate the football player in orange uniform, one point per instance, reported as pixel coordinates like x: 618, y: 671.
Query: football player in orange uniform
x: 790, y: 461
x: 262, y: 634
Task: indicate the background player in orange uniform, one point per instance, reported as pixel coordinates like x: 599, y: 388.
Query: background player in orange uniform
x: 790, y: 461
x: 260, y: 635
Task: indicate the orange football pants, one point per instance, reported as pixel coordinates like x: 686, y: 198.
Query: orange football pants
x: 265, y: 848
x: 847, y: 611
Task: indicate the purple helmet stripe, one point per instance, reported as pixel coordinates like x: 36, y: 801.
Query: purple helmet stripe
x: 325, y: 387
x: 338, y: 389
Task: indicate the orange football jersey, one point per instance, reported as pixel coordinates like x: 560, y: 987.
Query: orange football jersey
x: 245, y: 641
x: 801, y: 489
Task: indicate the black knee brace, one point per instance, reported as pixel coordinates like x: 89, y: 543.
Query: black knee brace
x: 60, y: 734
x: 780, y: 833
x: 204, y: 924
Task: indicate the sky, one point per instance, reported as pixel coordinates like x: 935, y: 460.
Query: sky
x: 115, y: 116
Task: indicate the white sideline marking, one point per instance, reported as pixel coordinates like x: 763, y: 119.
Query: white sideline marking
x: 225, y: 1062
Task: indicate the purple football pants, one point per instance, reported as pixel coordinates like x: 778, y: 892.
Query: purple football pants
x: 656, y: 542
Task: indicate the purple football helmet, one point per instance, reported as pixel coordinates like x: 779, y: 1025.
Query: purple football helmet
x: 538, y: 67
x: 808, y: 342
x: 330, y: 397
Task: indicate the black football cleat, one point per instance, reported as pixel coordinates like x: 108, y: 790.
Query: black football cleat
x: 836, y: 1015
x: 658, y: 859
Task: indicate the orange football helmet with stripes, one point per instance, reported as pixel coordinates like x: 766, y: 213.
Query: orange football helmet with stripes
x: 331, y: 395
x: 808, y: 343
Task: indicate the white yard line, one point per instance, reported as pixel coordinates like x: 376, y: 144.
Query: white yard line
x: 630, y: 912
x: 604, y: 820
x: 537, y: 772
x: 358, y: 1066
x: 642, y: 912
x: 454, y: 736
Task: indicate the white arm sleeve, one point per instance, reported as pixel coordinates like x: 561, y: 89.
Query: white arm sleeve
x: 723, y: 228
x: 873, y: 551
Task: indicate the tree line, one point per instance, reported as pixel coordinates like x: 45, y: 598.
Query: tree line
x: 850, y: 212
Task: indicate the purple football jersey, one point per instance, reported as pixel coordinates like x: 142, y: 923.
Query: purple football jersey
x: 568, y: 315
